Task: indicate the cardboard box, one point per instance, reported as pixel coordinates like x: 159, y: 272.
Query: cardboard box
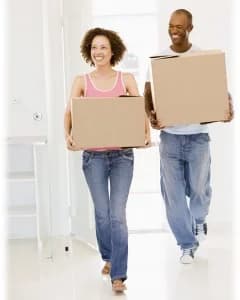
x: 191, y: 88
x: 108, y: 122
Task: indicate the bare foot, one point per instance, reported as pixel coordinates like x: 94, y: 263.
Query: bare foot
x: 106, y: 269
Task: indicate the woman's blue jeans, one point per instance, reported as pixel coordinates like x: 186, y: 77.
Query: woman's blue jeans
x: 185, y: 172
x: 109, y: 176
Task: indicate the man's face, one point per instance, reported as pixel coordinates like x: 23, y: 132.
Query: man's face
x: 179, y: 28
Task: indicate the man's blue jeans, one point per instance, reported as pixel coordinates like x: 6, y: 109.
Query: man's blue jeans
x: 185, y: 171
x: 109, y: 176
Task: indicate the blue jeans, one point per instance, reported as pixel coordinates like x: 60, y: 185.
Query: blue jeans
x: 185, y: 175
x: 109, y: 176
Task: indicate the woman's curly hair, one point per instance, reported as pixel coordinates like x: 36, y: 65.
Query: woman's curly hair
x: 117, y: 46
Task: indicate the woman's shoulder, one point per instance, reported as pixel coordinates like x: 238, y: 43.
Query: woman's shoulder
x: 130, y: 83
x: 128, y: 77
x: 79, y: 79
x: 78, y: 85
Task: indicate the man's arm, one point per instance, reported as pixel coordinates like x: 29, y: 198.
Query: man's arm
x: 149, y: 107
x: 230, y: 114
x: 148, y: 98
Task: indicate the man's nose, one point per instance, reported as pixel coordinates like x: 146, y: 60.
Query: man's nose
x: 173, y: 29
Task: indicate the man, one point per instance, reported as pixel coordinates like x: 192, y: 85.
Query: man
x: 184, y: 158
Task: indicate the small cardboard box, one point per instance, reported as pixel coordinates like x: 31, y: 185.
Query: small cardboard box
x: 190, y: 88
x: 108, y: 122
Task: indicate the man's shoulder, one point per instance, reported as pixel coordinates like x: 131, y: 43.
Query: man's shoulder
x: 194, y: 48
x: 169, y: 51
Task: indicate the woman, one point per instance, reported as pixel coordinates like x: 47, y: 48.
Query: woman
x: 108, y: 172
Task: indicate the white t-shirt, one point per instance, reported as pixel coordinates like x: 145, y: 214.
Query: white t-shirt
x: 182, y: 129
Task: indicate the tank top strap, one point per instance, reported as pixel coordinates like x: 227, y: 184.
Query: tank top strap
x: 117, y: 89
x: 88, y: 86
x: 120, y: 86
x: 119, y: 78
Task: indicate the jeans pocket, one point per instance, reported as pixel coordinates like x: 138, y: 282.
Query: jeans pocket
x: 202, y: 138
x: 86, y: 159
x: 128, y: 154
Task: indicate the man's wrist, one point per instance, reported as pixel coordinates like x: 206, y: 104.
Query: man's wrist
x: 67, y: 135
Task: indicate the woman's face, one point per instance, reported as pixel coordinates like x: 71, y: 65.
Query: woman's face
x: 101, y: 51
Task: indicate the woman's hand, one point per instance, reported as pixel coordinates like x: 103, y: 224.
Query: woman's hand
x: 71, y: 145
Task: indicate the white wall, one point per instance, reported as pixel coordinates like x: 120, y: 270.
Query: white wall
x: 36, y: 81
x: 236, y: 88
x: 26, y: 74
x: 76, y: 21
x: 57, y: 155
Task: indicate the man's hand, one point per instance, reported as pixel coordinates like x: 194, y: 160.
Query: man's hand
x: 230, y: 112
x: 154, y: 122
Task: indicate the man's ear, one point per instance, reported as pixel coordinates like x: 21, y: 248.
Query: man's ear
x: 190, y: 28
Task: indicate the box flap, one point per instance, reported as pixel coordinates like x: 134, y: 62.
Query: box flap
x: 203, y: 52
x: 189, y: 54
x: 162, y: 56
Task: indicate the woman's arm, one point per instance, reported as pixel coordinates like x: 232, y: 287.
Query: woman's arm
x: 76, y: 91
x: 130, y: 84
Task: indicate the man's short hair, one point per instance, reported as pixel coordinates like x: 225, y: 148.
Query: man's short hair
x: 186, y: 13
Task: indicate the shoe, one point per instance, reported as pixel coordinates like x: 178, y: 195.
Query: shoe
x: 201, y: 231
x: 187, y: 255
x: 107, y: 268
x: 118, y: 286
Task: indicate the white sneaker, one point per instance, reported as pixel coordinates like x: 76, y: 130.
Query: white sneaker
x: 201, y: 232
x: 187, y: 255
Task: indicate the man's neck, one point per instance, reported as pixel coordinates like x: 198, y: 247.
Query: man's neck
x: 181, y: 48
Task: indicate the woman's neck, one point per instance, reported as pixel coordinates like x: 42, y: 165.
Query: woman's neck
x: 103, y: 71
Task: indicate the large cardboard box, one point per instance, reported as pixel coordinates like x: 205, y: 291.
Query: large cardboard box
x: 108, y: 122
x: 190, y: 88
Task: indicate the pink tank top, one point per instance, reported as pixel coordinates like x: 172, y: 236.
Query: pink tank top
x: 117, y: 89
x: 92, y: 91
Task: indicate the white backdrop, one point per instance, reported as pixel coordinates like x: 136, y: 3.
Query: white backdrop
x: 26, y: 93
x: 213, y: 29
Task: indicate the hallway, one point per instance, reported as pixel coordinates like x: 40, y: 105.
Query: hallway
x: 154, y: 271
